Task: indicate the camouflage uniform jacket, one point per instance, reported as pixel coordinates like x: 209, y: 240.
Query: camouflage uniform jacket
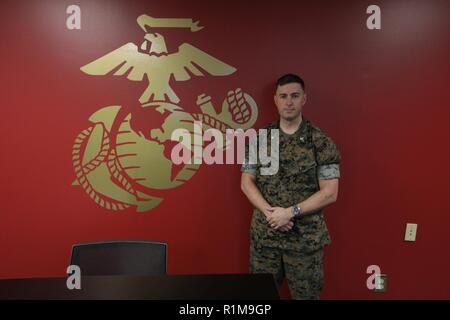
x: 300, y: 155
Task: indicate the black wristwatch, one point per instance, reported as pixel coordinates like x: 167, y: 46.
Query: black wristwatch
x: 296, y: 211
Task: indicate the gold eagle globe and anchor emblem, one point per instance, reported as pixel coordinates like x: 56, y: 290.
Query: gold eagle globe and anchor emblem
x: 119, y: 166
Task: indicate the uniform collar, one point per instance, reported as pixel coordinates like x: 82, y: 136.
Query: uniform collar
x: 301, y: 131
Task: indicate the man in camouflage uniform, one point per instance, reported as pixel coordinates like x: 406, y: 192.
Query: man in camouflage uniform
x: 288, y: 231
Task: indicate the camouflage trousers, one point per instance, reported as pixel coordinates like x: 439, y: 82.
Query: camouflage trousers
x: 304, y: 272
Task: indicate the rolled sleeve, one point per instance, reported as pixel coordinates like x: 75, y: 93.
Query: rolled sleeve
x: 329, y: 171
x: 249, y: 164
x: 249, y: 168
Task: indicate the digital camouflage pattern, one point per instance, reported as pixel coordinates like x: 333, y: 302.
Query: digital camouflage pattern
x: 301, y: 256
x: 304, y: 272
x: 296, y: 180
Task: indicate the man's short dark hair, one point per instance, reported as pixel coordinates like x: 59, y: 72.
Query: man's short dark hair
x: 290, y: 78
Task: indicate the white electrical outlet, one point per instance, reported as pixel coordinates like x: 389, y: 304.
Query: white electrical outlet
x: 410, y: 233
x: 380, y: 283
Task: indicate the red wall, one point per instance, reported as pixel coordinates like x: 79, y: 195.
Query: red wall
x: 381, y: 94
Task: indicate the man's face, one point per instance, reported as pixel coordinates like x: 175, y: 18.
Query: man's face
x: 289, y: 99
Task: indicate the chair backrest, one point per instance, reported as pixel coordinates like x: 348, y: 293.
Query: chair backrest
x: 120, y: 258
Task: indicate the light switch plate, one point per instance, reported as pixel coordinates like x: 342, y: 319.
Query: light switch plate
x: 410, y: 232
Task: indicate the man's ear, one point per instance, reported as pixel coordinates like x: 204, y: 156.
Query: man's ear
x: 304, y: 99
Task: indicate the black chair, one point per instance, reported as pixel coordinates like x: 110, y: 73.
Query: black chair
x: 120, y: 258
